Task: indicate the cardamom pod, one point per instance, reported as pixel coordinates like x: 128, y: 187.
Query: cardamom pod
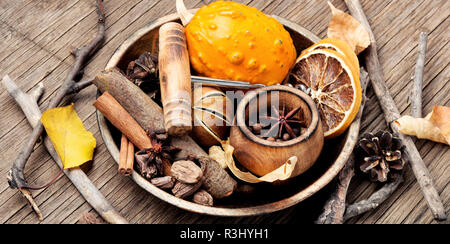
x: 186, y: 171
x: 203, y: 197
x: 166, y: 182
x: 183, y: 190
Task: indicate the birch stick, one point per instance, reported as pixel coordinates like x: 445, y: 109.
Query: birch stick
x: 416, y: 94
x: 392, y: 113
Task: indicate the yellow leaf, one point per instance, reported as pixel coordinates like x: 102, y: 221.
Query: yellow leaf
x: 73, y: 143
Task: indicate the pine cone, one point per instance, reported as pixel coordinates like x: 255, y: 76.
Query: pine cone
x: 381, y: 155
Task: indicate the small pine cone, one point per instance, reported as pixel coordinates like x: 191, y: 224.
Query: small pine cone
x: 381, y: 155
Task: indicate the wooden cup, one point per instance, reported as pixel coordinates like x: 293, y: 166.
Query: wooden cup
x: 261, y: 156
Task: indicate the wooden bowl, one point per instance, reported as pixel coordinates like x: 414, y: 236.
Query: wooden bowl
x: 265, y: 200
x: 261, y: 156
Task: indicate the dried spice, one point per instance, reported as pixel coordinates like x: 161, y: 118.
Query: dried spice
x: 150, y: 161
x: 183, y: 190
x: 144, y: 73
x: 186, y: 171
x: 143, y: 69
x: 165, y: 182
x: 203, y: 197
x: 216, y: 180
x: 147, y: 170
x: 381, y: 155
x: 282, y: 120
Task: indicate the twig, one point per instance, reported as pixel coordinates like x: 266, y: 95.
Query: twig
x: 374, y: 200
x: 16, y: 178
x: 77, y: 87
x: 391, y: 114
x: 28, y: 104
x: 334, y: 208
x: 37, y: 92
x: 416, y: 94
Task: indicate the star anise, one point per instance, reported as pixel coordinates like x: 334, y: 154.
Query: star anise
x: 150, y: 160
x: 282, y: 120
x: 143, y: 68
x: 381, y: 155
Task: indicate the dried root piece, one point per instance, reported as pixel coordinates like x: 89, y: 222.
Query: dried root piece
x: 334, y: 208
x: 217, y: 181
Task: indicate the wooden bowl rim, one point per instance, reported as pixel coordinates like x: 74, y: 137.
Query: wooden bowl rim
x: 241, y: 124
x: 321, y: 182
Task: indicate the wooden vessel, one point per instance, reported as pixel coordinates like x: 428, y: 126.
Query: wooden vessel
x: 261, y: 156
x: 267, y: 198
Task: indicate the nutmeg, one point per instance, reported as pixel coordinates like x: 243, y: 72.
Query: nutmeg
x: 211, y: 116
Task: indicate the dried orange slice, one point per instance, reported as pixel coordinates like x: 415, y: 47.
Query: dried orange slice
x: 339, y: 46
x: 334, y: 86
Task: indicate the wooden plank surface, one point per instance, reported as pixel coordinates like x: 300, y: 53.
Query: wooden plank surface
x: 35, y: 37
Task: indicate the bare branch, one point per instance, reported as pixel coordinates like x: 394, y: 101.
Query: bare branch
x: 16, y: 178
x: 374, y: 200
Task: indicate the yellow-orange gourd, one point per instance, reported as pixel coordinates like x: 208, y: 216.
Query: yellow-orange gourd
x: 228, y: 40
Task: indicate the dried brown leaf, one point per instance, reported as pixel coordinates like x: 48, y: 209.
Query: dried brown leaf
x: 435, y: 126
x: 343, y: 26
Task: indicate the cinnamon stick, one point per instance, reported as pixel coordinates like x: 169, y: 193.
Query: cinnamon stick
x: 126, y: 157
x: 122, y: 120
x: 391, y: 113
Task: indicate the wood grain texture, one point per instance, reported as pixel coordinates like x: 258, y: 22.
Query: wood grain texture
x: 35, y: 49
x: 175, y: 79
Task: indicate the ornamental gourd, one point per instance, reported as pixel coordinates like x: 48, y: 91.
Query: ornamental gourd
x: 228, y: 40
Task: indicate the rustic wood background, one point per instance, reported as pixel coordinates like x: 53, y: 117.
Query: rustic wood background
x: 35, y: 36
